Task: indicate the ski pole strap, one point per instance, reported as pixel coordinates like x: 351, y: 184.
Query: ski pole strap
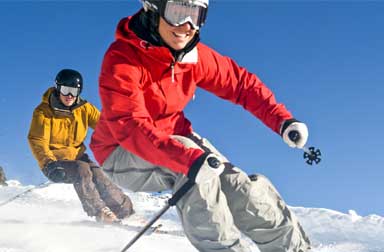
x: 180, y: 193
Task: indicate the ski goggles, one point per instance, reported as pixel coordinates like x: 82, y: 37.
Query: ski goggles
x: 178, y: 13
x: 65, y: 90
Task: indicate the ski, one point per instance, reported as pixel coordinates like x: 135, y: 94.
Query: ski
x: 157, y: 229
x: 151, y: 230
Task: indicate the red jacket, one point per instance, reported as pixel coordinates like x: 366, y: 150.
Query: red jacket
x: 143, y: 98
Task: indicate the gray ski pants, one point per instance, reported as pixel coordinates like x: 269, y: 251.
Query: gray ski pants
x: 215, y: 214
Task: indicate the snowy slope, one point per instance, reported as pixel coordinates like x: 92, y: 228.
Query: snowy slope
x: 51, y: 219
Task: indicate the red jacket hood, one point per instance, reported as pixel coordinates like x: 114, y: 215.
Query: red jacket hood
x: 123, y: 32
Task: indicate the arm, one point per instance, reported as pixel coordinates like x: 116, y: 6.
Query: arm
x: 93, y: 115
x: 39, y: 137
x: 229, y: 81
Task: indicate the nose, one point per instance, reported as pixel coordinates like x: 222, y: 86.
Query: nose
x: 186, y: 26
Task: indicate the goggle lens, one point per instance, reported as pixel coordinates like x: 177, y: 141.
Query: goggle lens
x: 178, y: 13
x: 65, y: 90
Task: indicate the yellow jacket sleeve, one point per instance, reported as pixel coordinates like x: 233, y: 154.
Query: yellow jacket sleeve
x: 93, y: 115
x: 39, y: 137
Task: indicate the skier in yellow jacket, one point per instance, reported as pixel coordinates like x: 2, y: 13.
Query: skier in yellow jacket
x: 56, y: 136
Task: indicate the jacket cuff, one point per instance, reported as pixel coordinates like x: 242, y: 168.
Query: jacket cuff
x: 285, y: 124
x: 47, y: 163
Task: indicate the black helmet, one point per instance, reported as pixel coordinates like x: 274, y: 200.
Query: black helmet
x: 69, y: 78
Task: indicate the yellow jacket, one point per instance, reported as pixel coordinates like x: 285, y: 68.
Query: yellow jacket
x: 58, y: 133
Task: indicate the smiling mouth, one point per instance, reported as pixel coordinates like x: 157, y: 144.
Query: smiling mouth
x: 180, y: 35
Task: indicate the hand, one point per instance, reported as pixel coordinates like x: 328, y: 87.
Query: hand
x: 205, y: 168
x: 54, y: 172
x: 294, y: 133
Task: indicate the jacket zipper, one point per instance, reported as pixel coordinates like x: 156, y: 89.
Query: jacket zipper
x: 173, y: 71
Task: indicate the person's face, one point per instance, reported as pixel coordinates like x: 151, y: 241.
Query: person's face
x: 177, y: 37
x: 67, y: 100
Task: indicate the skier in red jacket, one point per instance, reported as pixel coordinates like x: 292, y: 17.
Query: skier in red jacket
x: 145, y: 143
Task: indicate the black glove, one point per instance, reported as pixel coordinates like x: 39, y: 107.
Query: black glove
x: 54, y: 172
x: 205, y: 168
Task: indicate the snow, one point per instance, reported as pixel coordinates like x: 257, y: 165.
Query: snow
x: 51, y: 219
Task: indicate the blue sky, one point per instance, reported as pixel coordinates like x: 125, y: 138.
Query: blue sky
x: 323, y: 60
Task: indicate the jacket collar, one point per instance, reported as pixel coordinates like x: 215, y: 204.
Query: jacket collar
x: 50, y: 97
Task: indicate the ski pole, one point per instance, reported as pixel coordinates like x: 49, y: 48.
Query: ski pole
x: 310, y: 154
x: 25, y: 192
x: 171, y: 202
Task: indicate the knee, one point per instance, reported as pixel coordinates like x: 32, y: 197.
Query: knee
x: 258, y: 178
x: 267, y: 201
x: 260, y: 184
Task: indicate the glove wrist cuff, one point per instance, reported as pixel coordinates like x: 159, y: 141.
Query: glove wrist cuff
x: 286, y: 124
